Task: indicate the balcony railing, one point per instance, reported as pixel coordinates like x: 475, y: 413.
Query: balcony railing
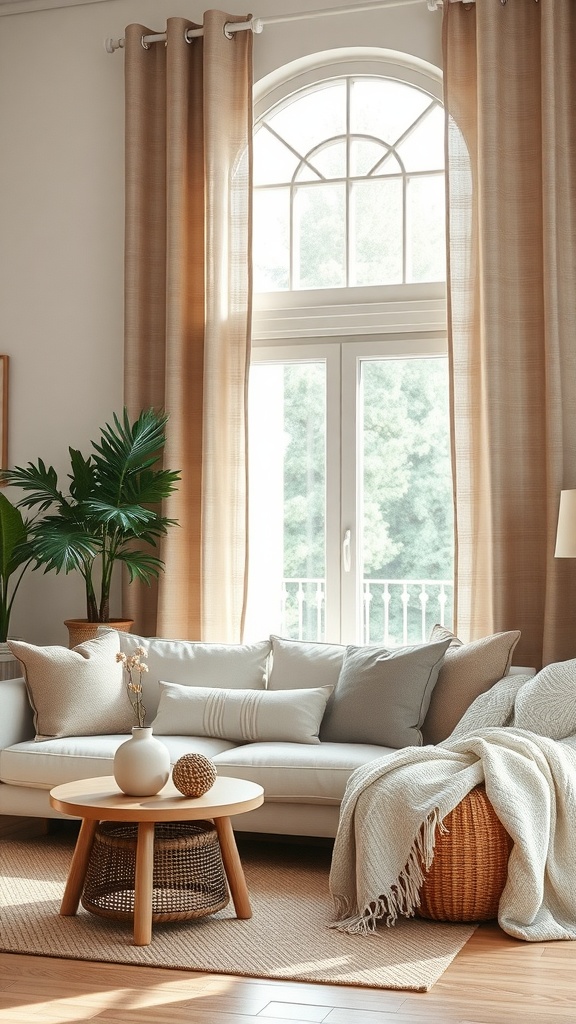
x: 394, y: 612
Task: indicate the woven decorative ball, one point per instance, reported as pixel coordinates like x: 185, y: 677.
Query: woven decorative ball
x: 470, y: 865
x: 194, y: 774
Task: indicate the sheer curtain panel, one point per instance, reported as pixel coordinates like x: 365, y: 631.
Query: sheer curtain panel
x: 510, y: 94
x: 188, y: 306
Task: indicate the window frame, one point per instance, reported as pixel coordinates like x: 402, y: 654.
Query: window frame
x: 284, y: 315
x: 346, y: 325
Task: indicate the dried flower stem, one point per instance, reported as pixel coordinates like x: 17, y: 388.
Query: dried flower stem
x: 133, y: 664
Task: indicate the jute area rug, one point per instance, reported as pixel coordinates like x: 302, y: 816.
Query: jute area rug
x: 287, y: 937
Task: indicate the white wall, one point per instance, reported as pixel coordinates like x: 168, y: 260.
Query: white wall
x: 61, y: 217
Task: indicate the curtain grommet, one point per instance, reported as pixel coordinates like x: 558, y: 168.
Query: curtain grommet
x: 144, y: 44
x: 227, y: 32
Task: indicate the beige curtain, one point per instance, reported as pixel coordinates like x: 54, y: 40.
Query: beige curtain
x: 187, y: 315
x: 510, y: 93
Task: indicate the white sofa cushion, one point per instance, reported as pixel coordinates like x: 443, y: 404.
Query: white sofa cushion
x: 241, y: 715
x: 233, y: 666
x: 48, y: 764
x: 298, y: 772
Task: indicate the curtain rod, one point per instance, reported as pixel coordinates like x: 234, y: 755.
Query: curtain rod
x: 256, y: 25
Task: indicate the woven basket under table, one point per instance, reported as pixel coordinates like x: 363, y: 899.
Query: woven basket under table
x: 470, y: 866
x: 188, y: 880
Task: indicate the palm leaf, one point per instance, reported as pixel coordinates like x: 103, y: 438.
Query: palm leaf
x: 38, y: 479
x: 150, y: 488
x: 63, y: 546
x: 152, y: 531
x: 83, y: 479
x: 141, y: 565
x: 13, y: 536
x: 125, y: 448
x: 126, y: 518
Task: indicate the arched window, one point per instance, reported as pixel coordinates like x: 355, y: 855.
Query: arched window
x: 351, y: 512
x: 349, y: 187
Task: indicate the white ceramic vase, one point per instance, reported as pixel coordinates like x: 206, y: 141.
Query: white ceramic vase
x: 141, y: 764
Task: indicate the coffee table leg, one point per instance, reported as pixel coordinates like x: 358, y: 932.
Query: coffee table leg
x: 233, y: 868
x: 143, y: 884
x: 78, y: 868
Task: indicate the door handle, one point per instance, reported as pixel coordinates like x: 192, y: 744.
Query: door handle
x: 346, y: 551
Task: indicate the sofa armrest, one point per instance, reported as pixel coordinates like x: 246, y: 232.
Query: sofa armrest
x: 16, y: 716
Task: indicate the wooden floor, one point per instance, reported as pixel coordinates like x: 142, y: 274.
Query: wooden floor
x: 494, y: 979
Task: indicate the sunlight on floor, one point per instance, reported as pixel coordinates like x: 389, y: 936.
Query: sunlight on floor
x: 80, y: 1006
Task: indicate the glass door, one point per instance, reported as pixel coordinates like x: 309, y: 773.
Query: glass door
x: 396, y: 495
x: 294, y: 494
x: 351, y: 535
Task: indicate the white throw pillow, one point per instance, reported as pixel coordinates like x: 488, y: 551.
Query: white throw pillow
x: 234, y: 666
x: 241, y: 716
x: 304, y: 663
x: 546, y: 704
x: 79, y: 692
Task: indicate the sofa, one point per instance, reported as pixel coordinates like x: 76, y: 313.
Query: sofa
x: 296, y: 717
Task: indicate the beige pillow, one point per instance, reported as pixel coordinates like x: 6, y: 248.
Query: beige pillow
x: 241, y: 716
x: 467, y: 671
x: 77, y: 692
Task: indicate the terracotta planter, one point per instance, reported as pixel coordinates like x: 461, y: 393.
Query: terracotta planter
x: 80, y: 630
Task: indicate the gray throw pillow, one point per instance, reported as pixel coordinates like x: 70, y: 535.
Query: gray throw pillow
x: 382, y: 695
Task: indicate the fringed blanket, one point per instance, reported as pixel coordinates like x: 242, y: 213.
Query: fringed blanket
x: 393, y: 808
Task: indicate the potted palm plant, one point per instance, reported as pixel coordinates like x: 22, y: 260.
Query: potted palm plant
x: 15, y: 557
x: 111, y: 513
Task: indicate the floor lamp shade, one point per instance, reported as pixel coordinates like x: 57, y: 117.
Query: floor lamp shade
x: 566, y: 531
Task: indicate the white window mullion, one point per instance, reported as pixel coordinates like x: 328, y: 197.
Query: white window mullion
x: 333, y: 491
x: 348, y: 238
x: 351, y: 604
x: 292, y: 256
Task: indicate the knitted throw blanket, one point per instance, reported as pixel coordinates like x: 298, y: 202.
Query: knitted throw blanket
x: 393, y: 808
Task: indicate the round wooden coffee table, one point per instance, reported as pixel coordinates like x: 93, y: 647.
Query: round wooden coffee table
x: 99, y: 799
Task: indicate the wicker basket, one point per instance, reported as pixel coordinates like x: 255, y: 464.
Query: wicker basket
x: 470, y: 864
x: 188, y: 880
